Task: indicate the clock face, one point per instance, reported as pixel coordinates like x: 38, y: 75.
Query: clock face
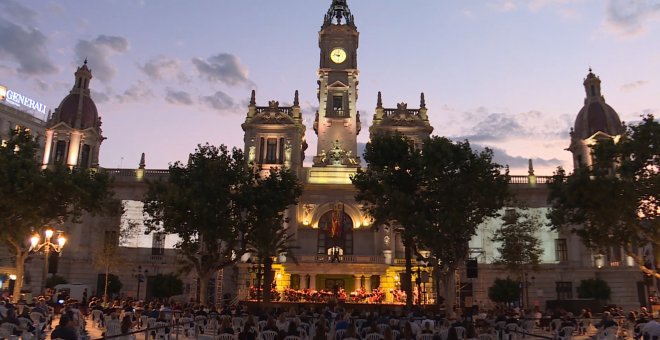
x: 338, y: 55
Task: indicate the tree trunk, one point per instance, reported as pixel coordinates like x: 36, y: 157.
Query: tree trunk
x: 105, y: 288
x: 203, y: 286
x: 436, y: 285
x: 268, y: 277
x: 408, y: 278
x: 449, y: 283
x: 20, y: 272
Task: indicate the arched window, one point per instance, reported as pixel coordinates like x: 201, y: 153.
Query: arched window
x: 338, y: 235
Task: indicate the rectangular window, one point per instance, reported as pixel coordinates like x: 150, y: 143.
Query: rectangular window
x: 561, y: 250
x: 295, y: 281
x: 338, y: 106
x: 262, y: 145
x: 614, y: 256
x: 111, y: 238
x: 281, y: 150
x: 84, y: 158
x: 60, y: 151
x: 158, y: 244
x: 564, y: 290
x: 271, y: 151
x: 321, y: 243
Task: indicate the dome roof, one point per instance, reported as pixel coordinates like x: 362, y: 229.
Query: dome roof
x: 597, y: 116
x: 72, y: 105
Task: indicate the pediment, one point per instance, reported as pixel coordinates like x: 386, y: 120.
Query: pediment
x: 338, y: 85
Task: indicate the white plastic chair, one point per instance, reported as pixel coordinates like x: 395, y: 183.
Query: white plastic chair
x: 374, y: 336
x: 161, y: 331
x: 485, y: 336
x: 565, y: 333
x: 113, y: 327
x: 460, y: 332
x: 290, y: 337
x: 267, y: 335
x: 226, y: 336
x: 339, y: 334
x: 423, y: 336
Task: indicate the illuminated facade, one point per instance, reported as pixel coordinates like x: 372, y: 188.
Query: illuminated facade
x: 337, y: 244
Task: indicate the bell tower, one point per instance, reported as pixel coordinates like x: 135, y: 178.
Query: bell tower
x: 337, y: 122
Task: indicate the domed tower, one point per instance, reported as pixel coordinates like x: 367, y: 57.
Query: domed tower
x: 412, y: 123
x: 595, y: 121
x: 73, y: 132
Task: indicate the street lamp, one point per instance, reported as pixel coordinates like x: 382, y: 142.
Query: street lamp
x: 139, y: 275
x: 47, y: 246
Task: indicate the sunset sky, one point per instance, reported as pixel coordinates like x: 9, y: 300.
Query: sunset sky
x: 169, y: 74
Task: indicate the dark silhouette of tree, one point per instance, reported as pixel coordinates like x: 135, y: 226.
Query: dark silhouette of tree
x: 616, y: 201
x: 196, y: 202
x: 263, y: 203
x: 435, y: 197
x: 32, y: 198
x: 504, y: 291
x: 519, y: 247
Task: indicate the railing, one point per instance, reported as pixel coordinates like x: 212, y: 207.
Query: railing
x: 286, y: 110
x: 390, y: 112
x: 342, y: 259
x: 526, y: 179
x: 132, y: 172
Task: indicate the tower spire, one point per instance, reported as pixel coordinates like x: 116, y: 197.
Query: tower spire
x: 296, y: 102
x: 379, y: 101
x: 337, y: 13
x: 422, y: 101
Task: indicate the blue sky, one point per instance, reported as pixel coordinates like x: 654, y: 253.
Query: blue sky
x: 171, y: 74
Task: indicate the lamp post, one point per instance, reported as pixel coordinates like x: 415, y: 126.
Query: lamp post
x: 139, y: 275
x: 47, y: 246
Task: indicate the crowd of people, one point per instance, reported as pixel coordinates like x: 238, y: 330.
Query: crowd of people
x: 123, y: 318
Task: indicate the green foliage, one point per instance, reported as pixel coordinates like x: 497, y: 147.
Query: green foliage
x: 504, y: 291
x: 220, y: 208
x: 165, y: 286
x: 114, y: 284
x: 31, y: 198
x: 520, y: 249
x: 55, y: 280
x: 615, y: 202
x: 435, y: 196
x: 266, y: 235
x: 196, y: 202
x: 597, y: 289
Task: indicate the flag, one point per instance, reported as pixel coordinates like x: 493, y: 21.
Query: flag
x: 335, y: 224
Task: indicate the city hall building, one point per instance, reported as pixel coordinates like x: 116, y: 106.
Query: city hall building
x: 361, y: 255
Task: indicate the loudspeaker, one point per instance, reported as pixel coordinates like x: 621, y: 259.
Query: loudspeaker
x: 471, y: 268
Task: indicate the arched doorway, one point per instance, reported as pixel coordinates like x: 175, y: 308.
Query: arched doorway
x: 335, y: 230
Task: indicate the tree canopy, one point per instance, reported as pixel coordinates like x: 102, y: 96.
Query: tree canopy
x: 263, y: 204
x: 197, y: 203
x: 616, y: 201
x: 32, y: 198
x: 165, y: 286
x: 434, y: 195
x: 519, y: 247
x: 504, y: 291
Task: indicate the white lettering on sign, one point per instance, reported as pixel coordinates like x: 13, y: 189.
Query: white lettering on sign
x: 20, y: 100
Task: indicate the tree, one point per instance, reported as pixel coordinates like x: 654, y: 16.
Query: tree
x: 390, y: 190
x: 435, y: 197
x: 31, y: 198
x: 196, y: 203
x: 267, y: 235
x: 615, y: 202
x: 504, y: 291
x: 55, y: 280
x: 520, y: 249
x: 113, y: 285
x: 596, y: 289
x: 461, y: 189
x: 108, y: 256
x: 165, y: 286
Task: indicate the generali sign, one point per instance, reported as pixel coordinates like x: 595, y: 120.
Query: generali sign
x: 19, y: 100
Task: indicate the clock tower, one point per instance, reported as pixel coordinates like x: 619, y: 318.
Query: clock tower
x: 337, y: 122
